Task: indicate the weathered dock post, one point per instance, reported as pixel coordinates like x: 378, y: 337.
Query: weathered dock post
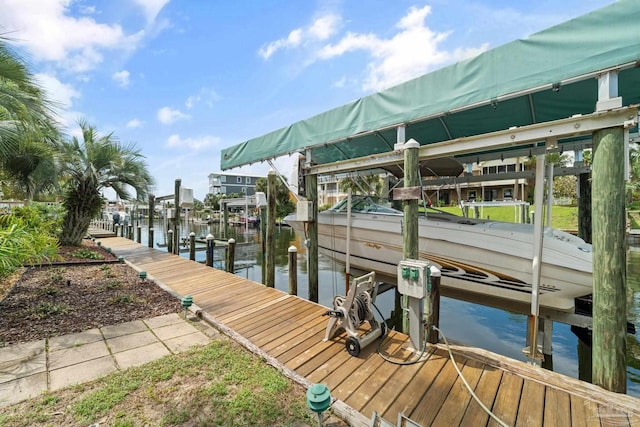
x: 311, y: 190
x: 609, y: 261
x: 176, y: 222
x: 433, y: 301
x: 609, y: 246
x: 293, y: 270
x: 192, y: 246
x: 225, y: 220
x: 231, y: 256
x: 210, y: 246
x: 152, y: 206
x: 130, y: 232
x: 410, y: 234
x: 170, y: 241
x: 270, y: 241
x: 139, y: 236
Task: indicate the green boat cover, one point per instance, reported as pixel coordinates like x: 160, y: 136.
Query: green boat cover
x: 547, y: 76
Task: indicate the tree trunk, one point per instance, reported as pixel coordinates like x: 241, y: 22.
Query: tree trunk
x: 82, y: 204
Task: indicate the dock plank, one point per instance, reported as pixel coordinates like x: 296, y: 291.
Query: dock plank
x: 459, y: 397
x: 288, y: 331
x: 532, y: 411
x: 507, y: 400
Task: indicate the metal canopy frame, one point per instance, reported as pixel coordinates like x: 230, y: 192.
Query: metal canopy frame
x: 531, y: 137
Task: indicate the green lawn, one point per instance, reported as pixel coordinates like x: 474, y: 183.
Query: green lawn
x: 562, y: 217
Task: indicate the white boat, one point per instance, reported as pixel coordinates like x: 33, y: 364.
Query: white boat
x: 487, y: 259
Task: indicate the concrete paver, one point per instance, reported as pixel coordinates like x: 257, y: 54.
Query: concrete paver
x: 22, y: 388
x: 167, y: 319
x: 74, y: 340
x: 28, y: 369
x: 141, y: 355
x: 175, y: 330
x: 127, y: 342
x: 74, y: 355
x: 184, y: 342
x: 112, y: 331
x: 81, y: 372
x: 18, y: 361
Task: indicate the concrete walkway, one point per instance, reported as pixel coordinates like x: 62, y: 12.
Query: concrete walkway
x: 28, y: 369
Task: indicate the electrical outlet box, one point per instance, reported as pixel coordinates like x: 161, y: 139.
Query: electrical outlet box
x: 303, y: 210
x: 413, y: 278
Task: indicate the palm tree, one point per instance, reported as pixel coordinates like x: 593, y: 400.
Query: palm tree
x: 27, y: 128
x: 92, y: 164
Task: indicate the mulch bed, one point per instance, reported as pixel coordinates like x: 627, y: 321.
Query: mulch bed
x: 75, y: 295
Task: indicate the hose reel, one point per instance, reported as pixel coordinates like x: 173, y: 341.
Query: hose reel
x: 351, y: 311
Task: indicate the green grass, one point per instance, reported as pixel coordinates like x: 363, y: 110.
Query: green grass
x: 86, y: 254
x: 562, y: 217
x: 220, y: 384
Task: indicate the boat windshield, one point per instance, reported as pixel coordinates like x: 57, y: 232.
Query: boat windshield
x: 365, y: 205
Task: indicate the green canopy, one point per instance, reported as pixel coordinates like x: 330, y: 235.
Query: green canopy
x: 548, y: 76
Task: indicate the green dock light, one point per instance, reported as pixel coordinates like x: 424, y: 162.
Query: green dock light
x: 142, y: 275
x: 108, y: 249
x: 120, y: 259
x: 99, y: 243
x: 187, y: 301
x: 318, y: 399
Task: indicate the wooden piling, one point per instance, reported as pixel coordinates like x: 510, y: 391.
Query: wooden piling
x: 270, y: 241
x: 139, y: 237
x: 210, y: 246
x: 231, y: 255
x: 152, y: 205
x: 609, y: 260
x: 293, y: 270
x: 311, y: 188
x: 170, y: 241
x: 176, y: 222
x: 192, y: 246
x: 410, y: 209
x: 584, y: 207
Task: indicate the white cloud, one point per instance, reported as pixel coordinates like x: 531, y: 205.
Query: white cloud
x: 206, y: 95
x: 192, y: 143
x: 134, y: 123
x: 168, y: 115
x: 320, y: 29
x: 121, y: 77
x: 48, y: 33
x: 151, y: 8
x: 62, y: 95
x: 411, y: 52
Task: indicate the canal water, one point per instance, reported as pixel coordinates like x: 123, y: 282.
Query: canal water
x: 475, y: 325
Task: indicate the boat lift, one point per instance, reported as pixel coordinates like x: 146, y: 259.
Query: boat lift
x: 350, y: 312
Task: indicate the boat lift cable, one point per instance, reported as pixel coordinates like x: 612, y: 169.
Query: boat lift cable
x: 283, y: 179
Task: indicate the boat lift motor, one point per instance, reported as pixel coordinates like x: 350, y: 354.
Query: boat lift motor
x: 350, y: 312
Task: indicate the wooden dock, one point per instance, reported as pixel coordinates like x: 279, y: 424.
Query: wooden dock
x: 288, y: 332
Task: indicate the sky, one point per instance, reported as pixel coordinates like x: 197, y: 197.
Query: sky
x: 184, y: 79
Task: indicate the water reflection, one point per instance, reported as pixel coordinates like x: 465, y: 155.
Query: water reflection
x: 496, y: 330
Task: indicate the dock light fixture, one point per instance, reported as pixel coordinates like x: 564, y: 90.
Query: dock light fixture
x: 186, y: 301
x: 318, y: 400
x: 142, y: 275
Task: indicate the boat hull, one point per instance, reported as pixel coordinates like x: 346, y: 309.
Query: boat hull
x: 490, y: 259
